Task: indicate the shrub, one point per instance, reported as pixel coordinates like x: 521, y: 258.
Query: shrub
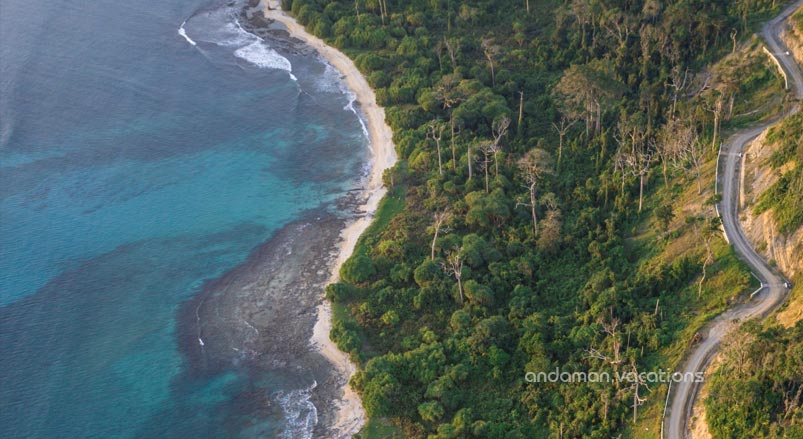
x: 357, y: 269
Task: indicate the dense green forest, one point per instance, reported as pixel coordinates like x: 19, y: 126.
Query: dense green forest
x: 551, y: 206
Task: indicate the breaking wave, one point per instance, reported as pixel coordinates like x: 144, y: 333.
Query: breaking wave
x: 183, y: 33
x: 222, y: 28
x: 260, y: 55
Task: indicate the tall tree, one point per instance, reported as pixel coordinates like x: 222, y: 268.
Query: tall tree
x: 450, y: 93
x: 490, y: 49
x: 635, y: 157
x: 488, y: 151
x: 585, y: 90
x: 435, y: 132
x: 499, y: 130
x: 535, y: 164
x: 453, y: 266
x: 562, y: 128
x: 439, y: 218
x: 688, y: 152
x: 716, y: 111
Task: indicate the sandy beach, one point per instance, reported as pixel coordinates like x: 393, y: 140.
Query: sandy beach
x: 351, y: 416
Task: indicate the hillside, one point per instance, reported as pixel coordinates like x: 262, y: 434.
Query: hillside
x: 772, y: 206
x: 552, y: 206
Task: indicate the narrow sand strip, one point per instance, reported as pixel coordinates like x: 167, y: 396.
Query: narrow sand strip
x: 350, y: 416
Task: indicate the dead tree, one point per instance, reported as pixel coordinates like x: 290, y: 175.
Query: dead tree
x: 357, y: 9
x: 521, y: 109
x: 491, y: 50
x: 734, y: 32
x: 440, y: 217
x: 611, y: 332
x: 716, y: 111
x: 707, y: 231
x: 456, y: 127
x: 688, y: 152
x: 635, y: 163
x: 453, y: 266
x: 638, y: 382
x: 452, y: 50
x: 677, y: 84
x: 634, y: 157
x: 383, y: 10
x: 435, y: 132
x: 450, y: 95
x: 469, y: 159
x: 562, y: 129
x: 488, y: 152
x: 533, y: 166
x: 499, y: 129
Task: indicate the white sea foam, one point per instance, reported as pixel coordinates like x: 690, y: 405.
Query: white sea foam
x: 259, y: 54
x: 221, y: 28
x: 231, y: 34
x: 330, y: 81
x: 183, y: 33
x: 350, y: 106
x: 299, y: 412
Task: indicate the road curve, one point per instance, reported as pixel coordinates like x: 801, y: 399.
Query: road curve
x: 773, y: 290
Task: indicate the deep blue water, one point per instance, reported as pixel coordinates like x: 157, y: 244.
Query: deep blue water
x: 135, y: 166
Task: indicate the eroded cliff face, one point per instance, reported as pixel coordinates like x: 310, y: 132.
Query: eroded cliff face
x: 762, y: 230
x: 793, y: 37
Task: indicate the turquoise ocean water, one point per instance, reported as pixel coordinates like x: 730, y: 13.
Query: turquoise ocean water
x: 146, y: 148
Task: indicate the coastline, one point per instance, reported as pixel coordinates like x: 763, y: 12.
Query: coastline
x: 350, y: 416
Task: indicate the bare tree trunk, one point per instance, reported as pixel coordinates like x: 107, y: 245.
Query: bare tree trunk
x: 717, y: 110
x: 640, y: 191
x: 485, y: 165
x: 440, y: 164
x: 452, y: 56
x: 599, y: 119
x: 623, y: 182
x: 730, y: 106
x: 384, y: 4
x: 454, y: 267
x: 357, y: 8
x: 702, y: 279
x: 469, y: 162
x: 734, y: 32
x: 435, y: 131
x: 532, y: 207
x: 521, y: 103
x: 527, y: 5
x: 709, y: 259
x: 716, y: 131
x: 454, y: 152
x: 434, y: 239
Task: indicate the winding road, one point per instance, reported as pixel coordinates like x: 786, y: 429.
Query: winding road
x: 773, y: 288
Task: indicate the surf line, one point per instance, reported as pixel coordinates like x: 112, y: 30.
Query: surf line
x: 183, y: 33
